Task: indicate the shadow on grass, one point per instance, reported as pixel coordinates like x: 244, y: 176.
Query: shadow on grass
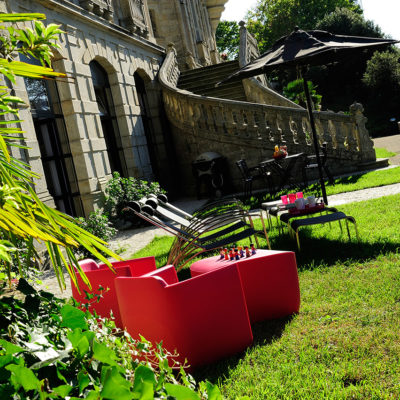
x: 323, y: 251
x: 264, y: 332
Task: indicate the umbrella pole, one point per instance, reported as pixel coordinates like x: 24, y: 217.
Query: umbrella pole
x: 314, y: 135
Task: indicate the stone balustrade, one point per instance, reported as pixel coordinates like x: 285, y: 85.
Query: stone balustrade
x: 241, y: 129
x: 345, y: 134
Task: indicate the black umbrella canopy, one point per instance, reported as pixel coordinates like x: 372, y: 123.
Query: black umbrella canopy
x: 302, y: 49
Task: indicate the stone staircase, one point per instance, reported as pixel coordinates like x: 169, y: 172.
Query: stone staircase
x: 202, y: 81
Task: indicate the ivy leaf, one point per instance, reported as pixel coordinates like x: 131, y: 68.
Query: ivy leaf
x: 144, y: 376
x: 181, y: 392
x: 115, y: 387
x: 213, y: 392
x: 62, y: 390
x: 83, y: 381
x: 5, y: 360
x: 73, y: 318
x: 32, y: 303
x: 79, y: 341
x: 25, y: 288
x: 102, y: 353
x: 10, y: 348
x: 22, y: 376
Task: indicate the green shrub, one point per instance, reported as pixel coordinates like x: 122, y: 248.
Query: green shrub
x: 119, y: 191
x: 97, y: 224
x: 49, y: 349
x: 295, y: 92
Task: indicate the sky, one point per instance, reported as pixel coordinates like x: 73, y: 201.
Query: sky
x: 385, y: 13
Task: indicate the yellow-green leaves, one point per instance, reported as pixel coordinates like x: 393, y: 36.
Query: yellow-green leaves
x: 23, y: 216
x: 17, y: 17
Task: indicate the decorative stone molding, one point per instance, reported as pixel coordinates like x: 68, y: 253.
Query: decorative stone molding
x: 102, y: 8
x: 136, y: 20
x: 215, y: 8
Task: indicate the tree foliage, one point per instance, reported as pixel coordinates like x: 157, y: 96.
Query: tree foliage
x: 23, y: 216
x: 271, y: 19
x: 344, y: 21
x: 228, y: 37
x: 382, y: 83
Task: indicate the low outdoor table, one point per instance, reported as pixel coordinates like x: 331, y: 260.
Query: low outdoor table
x: 286, y: 216
x: 269, y: 278
x: 283, y: 168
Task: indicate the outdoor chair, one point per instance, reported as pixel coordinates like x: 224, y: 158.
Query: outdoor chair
x: 250, y: 174
x: 102, y: 277
x: 203, y: 318
x: 214, y: 226
x: 310, y: 165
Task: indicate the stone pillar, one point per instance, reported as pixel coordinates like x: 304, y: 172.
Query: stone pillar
x: 365, y: 143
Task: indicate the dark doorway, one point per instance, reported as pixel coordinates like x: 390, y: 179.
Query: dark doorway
x: 108, y: 118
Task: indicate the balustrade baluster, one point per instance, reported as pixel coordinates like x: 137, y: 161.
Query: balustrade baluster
x: 351, y: 137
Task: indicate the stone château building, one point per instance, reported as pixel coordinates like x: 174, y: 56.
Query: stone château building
x: 140, y: 100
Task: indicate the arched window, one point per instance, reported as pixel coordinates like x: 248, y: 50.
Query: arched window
x: 108, y: 118
x: 146, y: 121
x: 51, y: 133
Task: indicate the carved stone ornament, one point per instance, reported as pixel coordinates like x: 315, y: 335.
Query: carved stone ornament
x: 87, y: 5
x: 102, y: 8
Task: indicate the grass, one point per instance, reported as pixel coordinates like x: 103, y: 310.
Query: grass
x: 351, y: 183
x: 383, y: 153
x: 345, y: 342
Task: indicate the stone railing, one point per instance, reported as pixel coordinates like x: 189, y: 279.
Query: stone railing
x: 257, y: 88
x: 241, y: 129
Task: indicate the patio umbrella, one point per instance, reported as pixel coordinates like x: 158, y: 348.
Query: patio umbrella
x: 302, y: 49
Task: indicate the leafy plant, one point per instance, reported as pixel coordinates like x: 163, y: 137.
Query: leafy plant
x: 49, y: 349
x: 98, y: 225
x: 23, y: 216
x: 119, y: 191
x: 295, y: 92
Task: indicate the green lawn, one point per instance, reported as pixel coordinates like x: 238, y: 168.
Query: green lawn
x: 383, y: 153
x: 351, y: 183
x: 345, y: 342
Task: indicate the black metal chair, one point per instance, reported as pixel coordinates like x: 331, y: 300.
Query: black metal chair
x: 249, y: 174
x: 310, y: 164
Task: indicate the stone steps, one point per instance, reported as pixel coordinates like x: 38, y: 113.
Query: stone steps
x: 202, y: 81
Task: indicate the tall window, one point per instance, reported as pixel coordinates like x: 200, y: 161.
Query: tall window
x: 146, y: 120
x: 54, y: 147
x: 108, y: 118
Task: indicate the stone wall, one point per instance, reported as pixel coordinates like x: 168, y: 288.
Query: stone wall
x: 121, y: 53
x: 191, y: 26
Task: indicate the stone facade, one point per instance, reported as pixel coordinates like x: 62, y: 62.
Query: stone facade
x: 111, y: 113
x: 118, y: 36
x: 191, y: 26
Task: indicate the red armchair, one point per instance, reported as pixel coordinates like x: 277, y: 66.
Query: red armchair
x: 204, y: 318
x: 101, y: 275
